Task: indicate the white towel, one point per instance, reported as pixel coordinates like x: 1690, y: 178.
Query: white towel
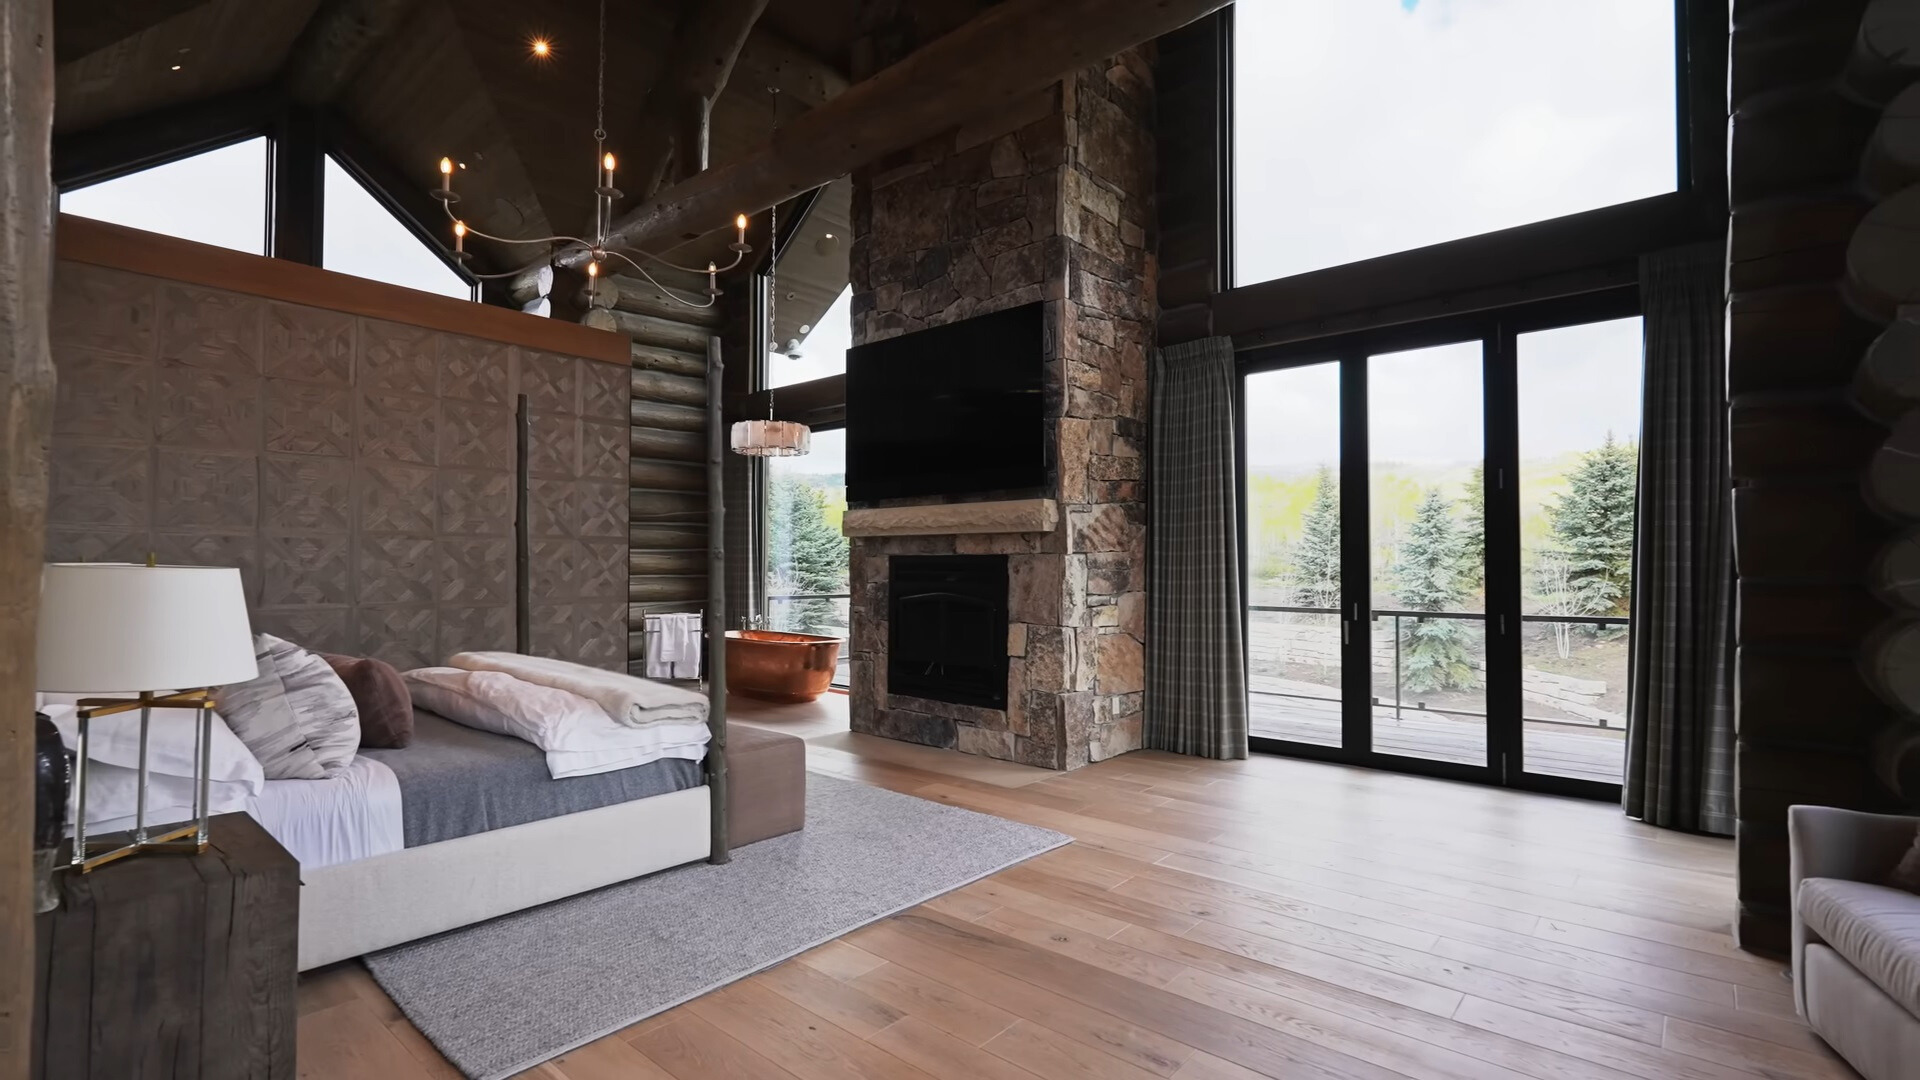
x: 681, y: 635
x: 630, y: 701
x: 673, y: 642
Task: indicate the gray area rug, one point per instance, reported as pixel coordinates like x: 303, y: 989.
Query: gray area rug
x: 513, y: 992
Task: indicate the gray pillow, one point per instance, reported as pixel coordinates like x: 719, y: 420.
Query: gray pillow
x: 322, y: 705
x: 258, y: 713
x: 296, y: 715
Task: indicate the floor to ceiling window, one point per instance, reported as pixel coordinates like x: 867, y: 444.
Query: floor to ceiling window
x: 1439, y: 537
x: 362, y: 237
x: 216, y: 197
x: 1368, y: 127
x: 808, y: 590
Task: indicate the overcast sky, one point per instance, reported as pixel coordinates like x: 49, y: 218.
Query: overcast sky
x: 220, y: 197
x: 1577, y: 385
x: 1366, y: 127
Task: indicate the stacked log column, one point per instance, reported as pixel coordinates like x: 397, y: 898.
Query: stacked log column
x: 1811, y: 81
x: 667, y: 476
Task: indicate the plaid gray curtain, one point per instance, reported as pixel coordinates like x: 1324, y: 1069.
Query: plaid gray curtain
x: 1196, y: 660
x: 1680, y: 711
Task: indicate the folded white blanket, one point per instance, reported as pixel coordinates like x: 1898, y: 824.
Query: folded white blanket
x: 627, y: 700
x: 577, y: 735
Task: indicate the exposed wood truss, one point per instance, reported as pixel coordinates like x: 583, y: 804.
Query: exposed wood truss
x: 673, y: 128
x: 1012, y: 50
x: 84, y: 27
x: 339, y: 39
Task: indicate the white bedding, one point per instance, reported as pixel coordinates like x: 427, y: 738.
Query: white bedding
x: 577, y: 735
x: 626, y: 700
x: 352, y: 815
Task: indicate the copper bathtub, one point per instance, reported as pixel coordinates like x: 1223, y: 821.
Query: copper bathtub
x: 775, y: 666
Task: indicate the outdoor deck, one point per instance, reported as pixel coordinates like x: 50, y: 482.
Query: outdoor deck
x: 1555, y: 749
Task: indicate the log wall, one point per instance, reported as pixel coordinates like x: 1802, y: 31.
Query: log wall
x: 666, y: 474
x: 1807, y: 95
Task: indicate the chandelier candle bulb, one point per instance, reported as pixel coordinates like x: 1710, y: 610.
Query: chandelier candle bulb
x: 446, y: 175
x: 459, y: 236
x: 740, y: 229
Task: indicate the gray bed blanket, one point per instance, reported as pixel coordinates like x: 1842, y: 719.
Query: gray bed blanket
x: 455, y: 781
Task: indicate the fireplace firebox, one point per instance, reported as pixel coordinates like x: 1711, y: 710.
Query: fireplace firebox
x: 947, y: 628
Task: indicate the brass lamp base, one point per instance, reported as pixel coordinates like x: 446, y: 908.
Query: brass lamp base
x: 189, y: 838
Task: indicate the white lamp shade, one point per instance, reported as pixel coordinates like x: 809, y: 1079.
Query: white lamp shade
x: 118, y: 628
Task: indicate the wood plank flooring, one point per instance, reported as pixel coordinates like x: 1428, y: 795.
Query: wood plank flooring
x: 1223, y: 921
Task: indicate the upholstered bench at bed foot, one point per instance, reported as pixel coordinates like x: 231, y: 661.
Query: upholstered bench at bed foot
x: 766, y: 784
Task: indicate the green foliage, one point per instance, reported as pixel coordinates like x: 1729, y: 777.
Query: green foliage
x: 1473, y: 533
x: 805, y: 551
x: 1428, y: 578
x: 1592, y: 531
x: 1315, y: 575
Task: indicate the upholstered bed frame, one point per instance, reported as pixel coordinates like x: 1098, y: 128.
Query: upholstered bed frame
x: 357, y: 907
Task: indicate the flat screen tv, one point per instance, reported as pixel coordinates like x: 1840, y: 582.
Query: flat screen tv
x: 954, y: 410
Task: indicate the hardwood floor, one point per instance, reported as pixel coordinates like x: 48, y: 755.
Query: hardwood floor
x: 1220, y: 921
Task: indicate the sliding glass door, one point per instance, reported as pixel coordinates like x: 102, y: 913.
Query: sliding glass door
x: 1438, y: 525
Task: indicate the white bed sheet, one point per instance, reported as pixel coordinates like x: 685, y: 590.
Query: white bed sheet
x: 352, y: 815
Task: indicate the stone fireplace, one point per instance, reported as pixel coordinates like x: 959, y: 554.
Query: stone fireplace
x: 1049, y: 201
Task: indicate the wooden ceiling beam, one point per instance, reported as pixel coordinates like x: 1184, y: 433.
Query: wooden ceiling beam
x: 1014, y: 49
x: 337, y: 41
x: 84, y: 27
x: 673, y: 126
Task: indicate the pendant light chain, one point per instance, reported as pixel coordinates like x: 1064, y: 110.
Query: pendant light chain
x: 605, y: 193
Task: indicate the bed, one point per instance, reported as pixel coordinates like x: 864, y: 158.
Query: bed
x: 464, y: 825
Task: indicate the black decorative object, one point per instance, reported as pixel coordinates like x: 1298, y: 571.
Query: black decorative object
x: 52, y: 783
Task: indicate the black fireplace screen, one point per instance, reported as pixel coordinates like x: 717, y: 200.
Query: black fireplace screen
x: 947, y: 628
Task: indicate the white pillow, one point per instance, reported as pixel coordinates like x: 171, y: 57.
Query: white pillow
x: 115, y: 740
x: 112, y: 791
x: 558, y: 721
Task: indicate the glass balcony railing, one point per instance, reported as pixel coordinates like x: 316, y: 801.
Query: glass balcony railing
x: 1428, y: 695
x: 824, y: 614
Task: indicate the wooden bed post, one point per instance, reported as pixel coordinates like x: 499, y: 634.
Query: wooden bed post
x: 716, y: 608
x: 522, y: 573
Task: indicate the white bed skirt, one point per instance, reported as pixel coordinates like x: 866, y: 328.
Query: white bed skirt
x: 358, y: 907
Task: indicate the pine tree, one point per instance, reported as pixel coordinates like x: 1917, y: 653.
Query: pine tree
x: 1316, y: 556
x: 1593, y: 529
x: 1427, y: 574
x: 806, y: 554
x: 1473, y: 533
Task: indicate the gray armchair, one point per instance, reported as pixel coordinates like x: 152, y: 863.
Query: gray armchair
x: 1856, y: 942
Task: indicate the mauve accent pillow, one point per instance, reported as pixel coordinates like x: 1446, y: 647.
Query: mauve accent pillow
x: 386, y: 706
x: 1907, y: 874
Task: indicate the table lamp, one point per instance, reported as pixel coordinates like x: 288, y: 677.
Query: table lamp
x: 142, y: 633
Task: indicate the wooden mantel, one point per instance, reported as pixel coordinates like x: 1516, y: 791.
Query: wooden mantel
x: 952, y: 519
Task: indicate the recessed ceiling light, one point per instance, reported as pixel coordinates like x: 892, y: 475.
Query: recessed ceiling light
x: 176, y: 67
x: 542, y: 48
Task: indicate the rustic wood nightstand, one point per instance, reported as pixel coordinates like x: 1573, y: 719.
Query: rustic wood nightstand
x: 172, y: 966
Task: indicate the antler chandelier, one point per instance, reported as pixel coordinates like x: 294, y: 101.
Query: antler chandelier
x: 604, y: 194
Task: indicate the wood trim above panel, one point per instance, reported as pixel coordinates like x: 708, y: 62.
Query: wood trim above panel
x: 98, y: 243
x: 945, y: 519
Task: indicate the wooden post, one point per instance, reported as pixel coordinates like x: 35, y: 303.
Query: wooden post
x: 716, y: 608
x: 522, y: 573
x: 26, y: 419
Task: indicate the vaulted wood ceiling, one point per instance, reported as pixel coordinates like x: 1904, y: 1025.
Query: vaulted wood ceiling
x: 418, y: 79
